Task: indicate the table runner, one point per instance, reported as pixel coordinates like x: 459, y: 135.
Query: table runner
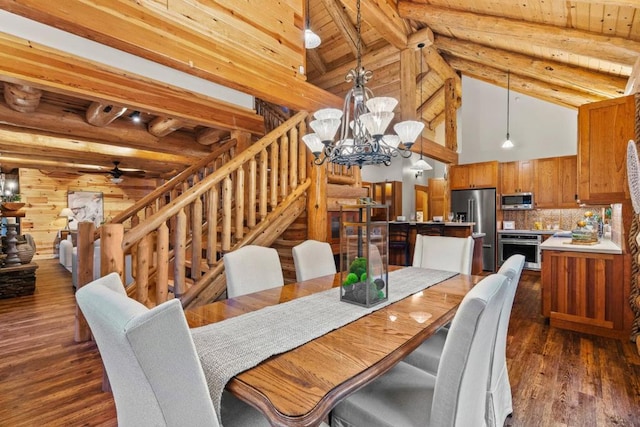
x: 234, y: 345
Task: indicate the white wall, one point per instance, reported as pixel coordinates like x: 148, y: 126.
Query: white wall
x: 538, y: 129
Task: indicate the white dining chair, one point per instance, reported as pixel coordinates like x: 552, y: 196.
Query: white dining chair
x: 151, y: 361
x: 499, y: 400
x: 444, y: 253
x: 313, y: 259
x: 408, y: 396
x: 252, y: 269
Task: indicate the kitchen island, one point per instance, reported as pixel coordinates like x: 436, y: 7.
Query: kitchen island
x: 585, y: 288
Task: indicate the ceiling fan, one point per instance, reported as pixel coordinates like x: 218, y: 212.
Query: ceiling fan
x: 117, y: 173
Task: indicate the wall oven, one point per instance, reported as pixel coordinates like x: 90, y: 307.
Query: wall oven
x: 523, y: 244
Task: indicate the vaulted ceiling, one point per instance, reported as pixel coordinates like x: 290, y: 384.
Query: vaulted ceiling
x: 63, y: 113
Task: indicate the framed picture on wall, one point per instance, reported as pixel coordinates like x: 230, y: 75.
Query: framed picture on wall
x: 86, y: 206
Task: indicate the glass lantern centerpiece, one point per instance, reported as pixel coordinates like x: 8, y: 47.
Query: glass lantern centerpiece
x: 364, y: 249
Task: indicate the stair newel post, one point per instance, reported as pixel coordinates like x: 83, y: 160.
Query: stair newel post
x: 111, y: 252
x: 180, y: 258
x: 84, y: 258
x: 162, y: 272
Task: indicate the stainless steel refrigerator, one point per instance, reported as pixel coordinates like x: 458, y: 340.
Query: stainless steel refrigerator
x: 479, y: 206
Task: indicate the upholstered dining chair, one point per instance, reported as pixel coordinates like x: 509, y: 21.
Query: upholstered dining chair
x: 313, y: 259
x: 151, y: 361
x: 408, y: 396
x: 499, y: 400
x: 399, y: 239
x: 252, y: 269
x: 444, y: 253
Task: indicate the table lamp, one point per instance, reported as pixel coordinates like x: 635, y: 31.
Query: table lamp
x: 67, y: 213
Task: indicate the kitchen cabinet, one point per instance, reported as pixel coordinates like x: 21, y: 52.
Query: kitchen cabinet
x: 437, y: 191
x: 517, y: 177
x: 555, y: 182
x: 604, y: 128
x: 587, y: 292
x: 474, y: 175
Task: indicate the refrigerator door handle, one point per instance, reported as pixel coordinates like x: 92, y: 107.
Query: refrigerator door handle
x: 469, y: 212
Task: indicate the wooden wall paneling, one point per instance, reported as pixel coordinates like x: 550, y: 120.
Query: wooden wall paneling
x: 46, y: 196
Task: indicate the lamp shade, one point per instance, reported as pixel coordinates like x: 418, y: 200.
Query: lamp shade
x: 382, y: 104
x: 328, y: 113
x: 313, y: 141
x: 311, y: 39
x: 66, y: 213
x: 392, y: 140
x: 325, y: 128
x: 507, y: 143
x: 409, y: 130
x: 421, y: 165
x: 376, y: 123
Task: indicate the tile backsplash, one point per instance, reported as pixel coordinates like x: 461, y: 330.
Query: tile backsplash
x: 564, y: 219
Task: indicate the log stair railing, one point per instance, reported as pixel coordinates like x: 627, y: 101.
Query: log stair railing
x: 177, y: 234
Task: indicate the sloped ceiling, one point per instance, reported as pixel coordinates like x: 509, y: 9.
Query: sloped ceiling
x: 565, y: 52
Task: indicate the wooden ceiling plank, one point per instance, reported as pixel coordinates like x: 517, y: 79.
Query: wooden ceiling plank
x: 579, y: 79
x: 313, y: 56
x: 525, y: 85
x: 442, y: 68
x: 382, y: 16
x: 614, y: 49
x: 113, y: 23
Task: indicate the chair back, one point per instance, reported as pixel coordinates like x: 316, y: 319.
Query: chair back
x: 313, y: 259
x: 252, y: 269
x: 399, y: 233
x: 444, y: 253
x: 463, y: 373
x: 149, y: 356
x: 499, y: 399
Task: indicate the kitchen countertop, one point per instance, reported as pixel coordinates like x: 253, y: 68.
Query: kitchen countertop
x: 446, y: 223
x: 530, y: 231
x: 478, y: 235
x: 605, y: 246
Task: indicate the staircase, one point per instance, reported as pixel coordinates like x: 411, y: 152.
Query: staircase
x: 178, y: 234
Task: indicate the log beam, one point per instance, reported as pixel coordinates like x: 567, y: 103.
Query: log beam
x: 345, y: 27
x: 102, y: 114
x: 435, y: 151
x: 163, y: 126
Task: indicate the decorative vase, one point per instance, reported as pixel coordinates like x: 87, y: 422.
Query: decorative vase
x: 26, y: 249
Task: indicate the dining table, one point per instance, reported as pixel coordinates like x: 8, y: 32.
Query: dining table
x: 299, y: 386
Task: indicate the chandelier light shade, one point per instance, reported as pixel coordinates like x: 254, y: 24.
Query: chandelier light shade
x: 421, y: 164
x: 363, y: 122
x: 507, y: 143
x: 311, y: 39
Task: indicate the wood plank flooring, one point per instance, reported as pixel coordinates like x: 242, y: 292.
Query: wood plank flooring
x: 559, y: 378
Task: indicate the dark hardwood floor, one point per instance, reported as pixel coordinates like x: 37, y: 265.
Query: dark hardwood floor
x: 558, y: 378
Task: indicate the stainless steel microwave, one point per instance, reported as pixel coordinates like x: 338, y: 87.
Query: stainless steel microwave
x: 517, y: 201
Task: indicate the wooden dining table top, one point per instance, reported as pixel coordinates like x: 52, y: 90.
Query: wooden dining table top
x: 299, y: 387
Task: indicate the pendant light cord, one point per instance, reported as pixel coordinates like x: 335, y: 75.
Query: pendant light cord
x: 359, y: 40
x: 508, y: 91
x: 421, y: 46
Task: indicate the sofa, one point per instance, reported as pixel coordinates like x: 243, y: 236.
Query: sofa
x: 69, y: 259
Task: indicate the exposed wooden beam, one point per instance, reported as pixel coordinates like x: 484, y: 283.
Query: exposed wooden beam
x: 575, y: 78
x: 435, y: 151
x: 57, y: 71
x: 604, y: 47
x: 314, y: 57
x: 424, y: 35
x: 46, y: 145
x: 374, y: 59
x: 620, y: 3
x: 163, y: 126
x: 450, y: 115
x: 435, y: 97
x: 442, y: 68
x: 57, y: 120
x: 345, y: 27
x: 408, y: 84
x: 24, y: 99
x: 101, y: 114
x: 633, y: 84
x: 210, y: 136
x: 224, y: 61
x: 525, y: 85
x: 383, y: 16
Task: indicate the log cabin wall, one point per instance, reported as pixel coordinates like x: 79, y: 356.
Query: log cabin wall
x: 45, y: 196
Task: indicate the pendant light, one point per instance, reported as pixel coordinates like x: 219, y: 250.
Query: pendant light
x: 311, y: 39
x: 421, y: 165
x: 507, y: 143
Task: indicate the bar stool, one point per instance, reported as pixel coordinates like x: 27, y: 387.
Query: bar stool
x: 399, y: 238
x: 429, y: 229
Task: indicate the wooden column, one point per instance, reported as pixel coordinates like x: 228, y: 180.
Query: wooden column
x: 408, y: 84
x: 111, y: 253
x: 317, y: 202
x: 84, y: 267
x: 450, y: 115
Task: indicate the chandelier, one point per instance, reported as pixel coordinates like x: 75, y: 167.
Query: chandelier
x: 362, y: 139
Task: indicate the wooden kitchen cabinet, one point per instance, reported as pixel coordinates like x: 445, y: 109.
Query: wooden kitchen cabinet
x: 387, y: 193
x: 587, y: 292
x: 555, y: 182
x: 517, y: 177
x: 474, y: 175
x: 604, y: 129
